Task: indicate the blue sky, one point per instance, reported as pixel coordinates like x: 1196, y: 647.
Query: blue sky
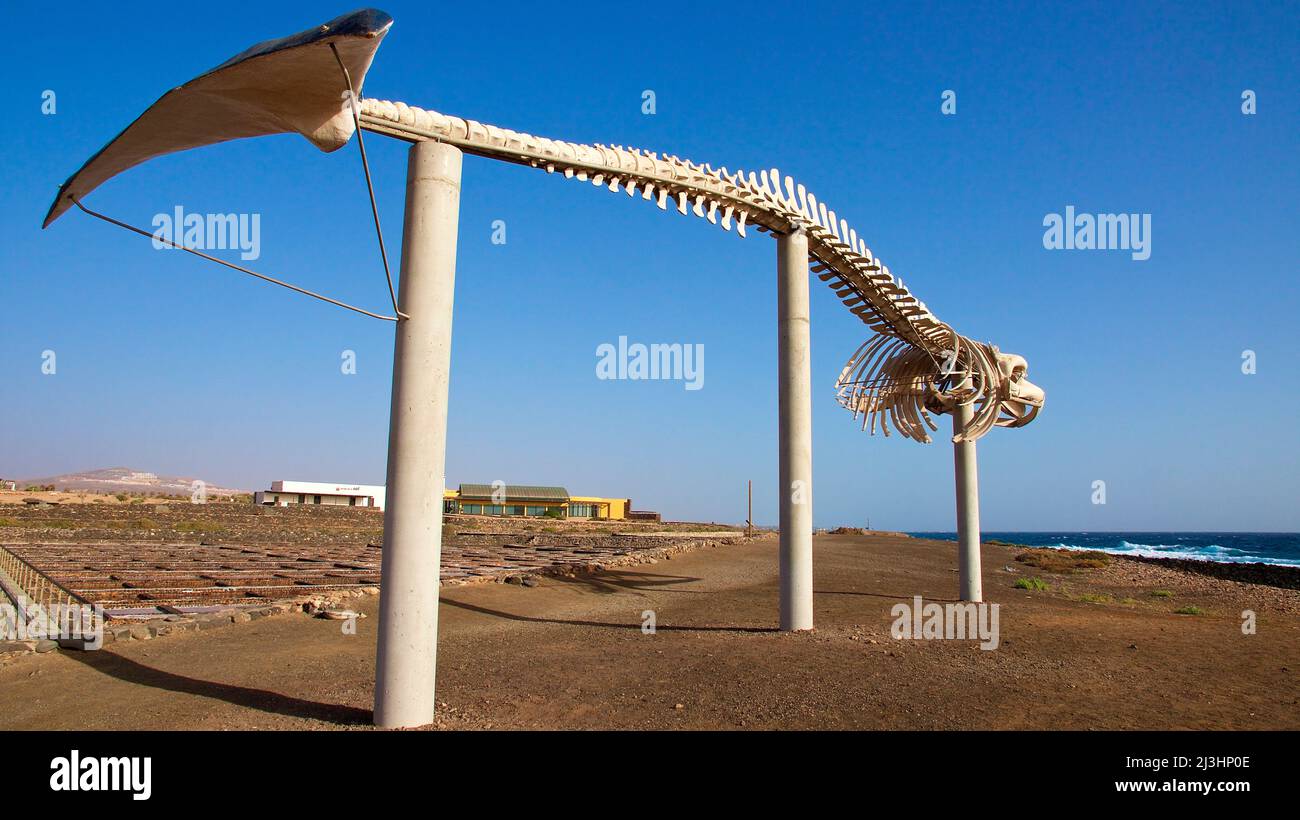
x: 171, y: 364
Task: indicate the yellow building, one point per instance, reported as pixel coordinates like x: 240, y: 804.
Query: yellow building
x: 532, y: 501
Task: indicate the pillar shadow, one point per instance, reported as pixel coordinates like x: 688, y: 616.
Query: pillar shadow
x: 907, y: 598
x: 510, y: 616
x: 129, y: 671
x: 609, y: 582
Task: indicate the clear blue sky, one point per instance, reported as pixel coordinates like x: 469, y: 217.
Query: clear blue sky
x: 175, y: 365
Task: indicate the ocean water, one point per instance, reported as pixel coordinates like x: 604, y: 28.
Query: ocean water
x: 1281, y: 548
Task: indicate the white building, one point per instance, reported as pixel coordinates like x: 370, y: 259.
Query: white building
x: 286, y: 493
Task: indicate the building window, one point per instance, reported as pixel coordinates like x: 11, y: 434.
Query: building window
x: 302, y: 499
x: 536, y: 510
x: 580, y: 510
x: 315, y: 499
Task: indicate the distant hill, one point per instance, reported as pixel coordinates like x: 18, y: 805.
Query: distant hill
x: 124, y: 480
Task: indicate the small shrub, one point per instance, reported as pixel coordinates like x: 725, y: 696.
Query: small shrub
x: 1059, y: 560
x: 1095, y: 598
x: 1161, y: 593
x: 1035, y: 584
x: 1189, y: 610
x: 9, y: 522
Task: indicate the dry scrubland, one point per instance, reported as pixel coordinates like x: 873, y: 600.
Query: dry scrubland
x: 1087, y: 641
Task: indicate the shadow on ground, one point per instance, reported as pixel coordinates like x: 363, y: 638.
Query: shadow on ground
x: 510, y: 616
x: 614, y: 581
x: 886, y: 596
x: 125, y: 669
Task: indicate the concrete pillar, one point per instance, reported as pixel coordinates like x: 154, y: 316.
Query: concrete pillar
x: 795, y: 400
x: 417, y: 441
x: 968, y: 508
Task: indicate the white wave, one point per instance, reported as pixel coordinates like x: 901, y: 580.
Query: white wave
x: 1214, y: 553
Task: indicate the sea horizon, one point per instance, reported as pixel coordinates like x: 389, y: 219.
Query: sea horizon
x: 1224, y: 546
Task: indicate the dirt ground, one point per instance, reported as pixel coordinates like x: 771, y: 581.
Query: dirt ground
x: 1099, y: 649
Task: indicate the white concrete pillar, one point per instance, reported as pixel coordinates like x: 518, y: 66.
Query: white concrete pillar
x: 968, y: 508
x: 795, y: 399
x: 417, y: 441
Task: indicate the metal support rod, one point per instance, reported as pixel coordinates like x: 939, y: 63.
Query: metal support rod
x: 417, y: 441
x: 795, y: 430
x: 968, y: 508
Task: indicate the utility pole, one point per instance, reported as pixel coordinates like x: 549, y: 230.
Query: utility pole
x: 749, y: 521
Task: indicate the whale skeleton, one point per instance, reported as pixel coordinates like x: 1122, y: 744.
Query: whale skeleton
x: 912, y: 367
x: 916, y: 365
